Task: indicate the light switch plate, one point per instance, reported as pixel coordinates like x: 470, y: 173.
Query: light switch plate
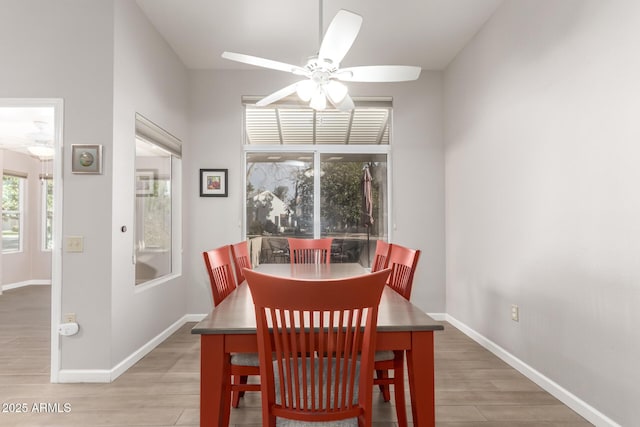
x: 74, y: 244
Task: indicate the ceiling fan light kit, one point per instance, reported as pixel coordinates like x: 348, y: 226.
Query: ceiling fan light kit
x: 323, y: 73
x: 42, y: 146
x: 41, y: 151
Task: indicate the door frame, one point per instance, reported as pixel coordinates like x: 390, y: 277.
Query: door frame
x: 56, y: 253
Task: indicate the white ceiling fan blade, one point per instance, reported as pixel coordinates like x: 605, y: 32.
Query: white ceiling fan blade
x: 340, y: 35
x: 379, y: 73
x: 278, y: 95
x: 262, y: 62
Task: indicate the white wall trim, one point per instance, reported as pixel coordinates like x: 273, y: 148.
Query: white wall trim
x: 84, y: 376
x: 24, y: 283
x: 441, y: 317
x: 194, y: 317
x: 109, y: 375
x: 587, y: 411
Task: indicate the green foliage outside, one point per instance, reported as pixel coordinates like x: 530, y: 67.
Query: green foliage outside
x: 157, y: 215
x: 10, y: 193
x: 10, y: 205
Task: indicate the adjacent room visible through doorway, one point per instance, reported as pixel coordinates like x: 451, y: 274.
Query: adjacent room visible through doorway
x: 30, y: 140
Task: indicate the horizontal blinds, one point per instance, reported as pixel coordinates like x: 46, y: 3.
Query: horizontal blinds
x: 290, y: 122
x: 153, y: 133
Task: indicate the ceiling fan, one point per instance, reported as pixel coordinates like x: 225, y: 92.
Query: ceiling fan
x: 42, y: 145
x: 323, y: 75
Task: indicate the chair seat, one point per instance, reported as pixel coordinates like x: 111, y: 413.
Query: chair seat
x: 245, y: 359
x: 283, y: 422
x: 379, y: 356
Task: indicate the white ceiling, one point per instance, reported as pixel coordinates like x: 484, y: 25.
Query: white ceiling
x: 24, y: 126
x: 426, y: 33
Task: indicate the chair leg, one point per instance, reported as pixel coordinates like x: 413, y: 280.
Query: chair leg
x: 398, y: 388
x: 243, y: 380
x: 236, y: 395
x: 384, y: 388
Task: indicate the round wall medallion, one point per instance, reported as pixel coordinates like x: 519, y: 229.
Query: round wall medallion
x: 86, y: 159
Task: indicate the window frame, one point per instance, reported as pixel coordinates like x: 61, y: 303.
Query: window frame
x: 44, y: 188
x: 151, y: 133
x: 316, y: 151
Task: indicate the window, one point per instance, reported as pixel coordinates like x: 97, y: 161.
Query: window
x: 13, y: 187
x: 157, y: 204
x: 285, y: 197
x: 46, y: 188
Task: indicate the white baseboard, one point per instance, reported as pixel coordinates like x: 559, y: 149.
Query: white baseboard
x: 438, y: 316
x: 193, y: 317
x: 25, y: 283
x: 84, y: 376
x: 109, y: 375
x: 587, y: 411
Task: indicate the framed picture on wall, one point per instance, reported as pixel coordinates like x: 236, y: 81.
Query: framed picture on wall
x: 213, y: 182
x: 145, y: 182
x: 86, y: 159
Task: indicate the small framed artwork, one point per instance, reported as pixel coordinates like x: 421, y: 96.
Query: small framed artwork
x: 145, y: 182
x: 86, y: 159
x: 213, y: 182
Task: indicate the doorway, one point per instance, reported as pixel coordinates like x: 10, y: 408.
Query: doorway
x: 30, y: 167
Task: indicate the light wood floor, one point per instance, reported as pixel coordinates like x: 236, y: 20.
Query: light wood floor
x: 473, y: 387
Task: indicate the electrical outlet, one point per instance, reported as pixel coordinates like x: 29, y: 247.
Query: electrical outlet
x: 69, y: 318
x: 515, y: 313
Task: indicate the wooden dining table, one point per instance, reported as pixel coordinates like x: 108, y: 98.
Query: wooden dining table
x: 231, y: 328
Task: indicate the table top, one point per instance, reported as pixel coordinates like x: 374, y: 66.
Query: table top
x: 236, y: 315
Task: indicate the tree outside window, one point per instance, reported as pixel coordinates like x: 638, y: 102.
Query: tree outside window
x: 12, y: 195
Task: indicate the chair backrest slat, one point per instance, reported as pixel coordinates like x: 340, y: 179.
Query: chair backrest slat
x: 314, y: 338
x: 381, y: 256
x: 310, y: 251
x: 241, y: 259
x: 403, y: 262
x: 218, y: 263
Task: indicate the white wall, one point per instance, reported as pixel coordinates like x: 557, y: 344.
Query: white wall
x: 148, y: 79
x: 542, y: 154
x: 32, y: 263
x: 215, y: 141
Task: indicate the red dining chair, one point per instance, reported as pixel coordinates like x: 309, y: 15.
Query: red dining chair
x: 381, y: 255
x: 223, y: 283
x: 313, y: 346
x: 220, y: 272
x: 310, y: 251
x: 241, y: 259
x: 402, y: 261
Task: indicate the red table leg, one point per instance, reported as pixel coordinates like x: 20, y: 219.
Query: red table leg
x: 214, y: 378
x: 420, y: 368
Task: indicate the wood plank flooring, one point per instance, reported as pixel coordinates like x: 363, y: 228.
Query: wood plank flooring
x: 473, y: 387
